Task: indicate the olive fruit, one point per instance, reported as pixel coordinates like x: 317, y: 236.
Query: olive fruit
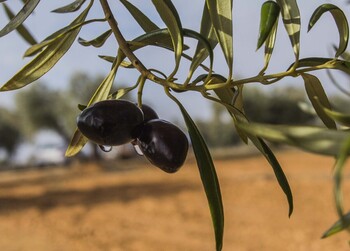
x: 110, y: 122
x: 148, y: 113
x: 163, y: 144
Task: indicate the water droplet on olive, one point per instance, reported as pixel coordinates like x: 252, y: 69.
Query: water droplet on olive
x: 110, y: 122
x: 163, y: 144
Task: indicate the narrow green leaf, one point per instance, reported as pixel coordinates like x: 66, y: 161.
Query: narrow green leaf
x: 291, y: 20
x: 340, y: 20
x: 79, y: 140
x: 341, y: 118
x: 227, y: 96
x: 205, y: 44
x: 20, y: 17
x: 338, y: 177
x: 221, y: 16
x: 309, y: 138
x: 338, y: 226
x: 42, y: 63
x: 72, y: 7
x: 208, y: 175
x: 280, y: 176
x: 22, y: 30
x: 170, y: 17
x: 269, y: 14
x: 146, y: 24
x: 269, y: 46
x: 35, y: 49
x: 207, y: 31
x: 98, y: 41
x: 318, y: 99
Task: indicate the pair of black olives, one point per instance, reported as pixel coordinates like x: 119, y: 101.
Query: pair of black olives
x: 117, y: 122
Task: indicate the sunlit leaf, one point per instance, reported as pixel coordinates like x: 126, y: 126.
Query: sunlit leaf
x: 98, y: 41
x: 338, y: 226
x: 22, y: 30
x: 291, y: 20
x: 74, y: 6
x: 269, y: 14
x: 20, y: 17
x: 35, y: 49
x: 170, y: 17
x: 340, y: 20
x: 317, y: 96
x: 208, y: 176
x: 269, y: 45
x: 309, y: 138
x: 79, y: 140
x: 201, y: 53
x: 44, y: 61
x: 326, y: 63
x: 221, y: 16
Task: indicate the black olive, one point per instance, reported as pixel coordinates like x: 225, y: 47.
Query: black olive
x: 163, y: 144
x: 148, y: 114
x: 110, y: 122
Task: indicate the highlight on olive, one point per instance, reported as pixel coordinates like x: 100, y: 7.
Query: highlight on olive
x: 163, y: 144
x: 110, y: 122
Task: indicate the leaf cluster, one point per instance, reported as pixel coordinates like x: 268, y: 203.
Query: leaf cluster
x: 216, y: 30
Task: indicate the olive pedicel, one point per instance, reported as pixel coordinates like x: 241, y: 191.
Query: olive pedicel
x: 110, y: 122
x: 163, y: 144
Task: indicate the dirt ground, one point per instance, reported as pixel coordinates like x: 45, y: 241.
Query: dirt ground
x: 133, y: 206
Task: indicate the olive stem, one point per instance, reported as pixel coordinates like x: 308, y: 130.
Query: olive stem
x: 142, y: 82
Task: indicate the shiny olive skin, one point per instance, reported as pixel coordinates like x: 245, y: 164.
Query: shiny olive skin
x: 110, y: 122
x: 148, y: 113
x: 163, y: 144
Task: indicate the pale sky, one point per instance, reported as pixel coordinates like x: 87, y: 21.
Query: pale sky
x: 248, y: 61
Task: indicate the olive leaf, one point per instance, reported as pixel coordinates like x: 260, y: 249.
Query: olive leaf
x: 268, y: 30
x: 221, y: 16
x: 22, y: 30
x: 20, y: 17
x: 72, y: 7
x: 309, y: 138
x: 318, y: 98
x: 340, y: 20
x: 145, y: 23
x: 226, y: 95
x: 207, y: 173
x: 79, y: 140
x: 338, y: 226
x: 291, y: 19
x: 325, y: 63
x: 338, y: 177
x: 170, y: 17
x: 201, y: 53
x: 36, y: 48
x: 98, y: 41
x: 44, y: 61
x: 269, y: 14
x: 111, y: 59
x: 341, y: 118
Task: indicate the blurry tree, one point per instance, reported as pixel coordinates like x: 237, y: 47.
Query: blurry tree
x: 42, y: 108
x: 218, y: 130
x: 279, y: 106
x: 10, y: 134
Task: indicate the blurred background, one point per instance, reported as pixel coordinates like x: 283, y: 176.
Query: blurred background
x: 117, y: 200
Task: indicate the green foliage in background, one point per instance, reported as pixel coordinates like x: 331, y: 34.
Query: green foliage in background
x: 216, y: 30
